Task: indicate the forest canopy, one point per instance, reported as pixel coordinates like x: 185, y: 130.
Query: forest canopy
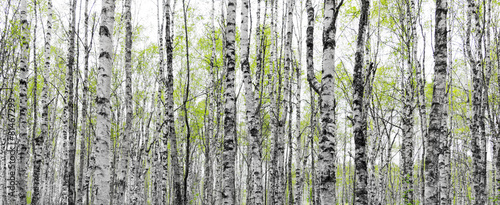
x: 250, y: 102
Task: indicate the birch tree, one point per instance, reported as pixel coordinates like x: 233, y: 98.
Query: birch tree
x: 228, y: 161
x: 479, y: 140
x: 125, y: 141
x: 39, y: 179
x: 101, y: 153
x: 252, y: 113
x: 360, y: 126
x: 437, y: 124
x: 22, y: 166
x: 177, y: 192
x: 69, y: 144
x: 327, y: 143
x: 83, y: 179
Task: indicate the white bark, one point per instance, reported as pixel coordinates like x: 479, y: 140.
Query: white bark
x: 22, y: 149
x: 101, y: 153
x: 228, y: 162
x: 437, y: 124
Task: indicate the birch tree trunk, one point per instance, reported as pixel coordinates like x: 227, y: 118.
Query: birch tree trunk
x: 36, y: 141
x: 408, y: 134
x: 177, y: 190
x: 186, y: 116
x: 121, y: 195
x: 83, y: 183
x: 208, y: 183
x: 288, y: 92
x: 275, y: 112
x: 475, y: 60
x: 39, y: 182
x: 445, y: 141
x: 327, y: 142
x: 22, y: 150
x: 497, y: 151
x: 228, y: 161
x: 422, y: 111
x: 69, y: 144
x: 252, y: 112
x: 360, y: 190
x: 314, y: 85
x: 437, y: 124
x: 102, y: 154
x: 298, y: 146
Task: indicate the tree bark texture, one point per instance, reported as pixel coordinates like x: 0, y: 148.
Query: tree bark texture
x: 360, y: 190
x: 101, y: 153
x: 229, y: 151
x: 437, y: 124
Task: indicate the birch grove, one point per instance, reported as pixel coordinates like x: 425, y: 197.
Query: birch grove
x: 250, y: 102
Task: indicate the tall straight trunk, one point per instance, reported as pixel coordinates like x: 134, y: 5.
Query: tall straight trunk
x: 37, y: 141
x: 274, y: 116
x: 186, y: 96
x: 298, y: 134
x: 445, y: 141
x: 170, y: 107
x: 22, y: 149
x: 228, y: 161
x: 408, y: 107
x: 437, y: 124
x: 288, y: 92
x: 121, y: 185
x: 208, y: 183
x: 360, y: 189
x: 327, y: 141
x: 157, y: 155
x: 69, y: 143
x: 475, y: 59
x: 255, y: 195
x: 313, y: 85
x: 497, y: 151
x: 45, y: 109
x: 101, y: 153
x: 422, y: 110
x: 83, y: 182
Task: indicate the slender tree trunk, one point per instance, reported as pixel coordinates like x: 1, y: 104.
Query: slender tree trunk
x: 37, y: 141
x: 298, y: 146
x: 44, y: 135
x: 121, y: 184
x: 497, y: 151
x: 314, y: 85
x: 437, y: 124
x: 445, y: 141
x: 157, y: 171
x: 408, y: 134
x: 327, y: 141
x: 252, y: 112
x: 228, y: 162
x: 288, y: 92
x: 69, y: 144
x: 101, y: 154
x: 475, y: 59
x: 170, y: 107
x: 83, y: 182
x: 274, y: 110
x: 360, y: 189
x: 22, y: 149
x: 208, y: 183
x: 186, y: 96
x: 422, y: 110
